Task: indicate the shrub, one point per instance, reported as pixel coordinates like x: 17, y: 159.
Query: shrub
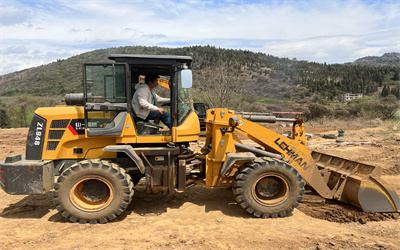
x: 316, y: 110
x: 372, y: 108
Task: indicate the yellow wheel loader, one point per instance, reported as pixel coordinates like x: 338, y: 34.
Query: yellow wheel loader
x: 92, y: 151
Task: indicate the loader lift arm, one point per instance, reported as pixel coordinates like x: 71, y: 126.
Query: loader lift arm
x: 332, y: 177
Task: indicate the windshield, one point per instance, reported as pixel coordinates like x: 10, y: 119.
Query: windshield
x: 185, y: 103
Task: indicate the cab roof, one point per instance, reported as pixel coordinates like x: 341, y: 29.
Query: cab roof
x: 151, y: 59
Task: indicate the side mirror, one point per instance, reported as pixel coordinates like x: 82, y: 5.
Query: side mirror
x: 187, y: 80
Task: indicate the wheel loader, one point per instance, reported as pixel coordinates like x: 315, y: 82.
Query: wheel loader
x: 92, y: 151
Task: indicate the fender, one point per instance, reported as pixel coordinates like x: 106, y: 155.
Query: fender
x: 232, y: 158
x: 130, y: 151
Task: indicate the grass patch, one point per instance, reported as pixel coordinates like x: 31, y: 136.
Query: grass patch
x: 270, y: 101
x: 8, y: 99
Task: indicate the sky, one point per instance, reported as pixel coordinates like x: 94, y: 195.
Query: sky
x: 38, y: 32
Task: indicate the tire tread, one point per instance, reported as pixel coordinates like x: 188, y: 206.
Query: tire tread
x: 111, y: 168
x: 247, y: 169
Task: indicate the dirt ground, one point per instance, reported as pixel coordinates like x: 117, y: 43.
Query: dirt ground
x: 211, y: 219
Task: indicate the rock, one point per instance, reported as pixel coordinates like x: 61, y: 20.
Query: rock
x: 350, y: 215
x: 362, y: 220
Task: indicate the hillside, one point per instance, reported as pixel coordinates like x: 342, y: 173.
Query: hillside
x: 64, y: 76
x: 388, y: 59
x: 256, y: 74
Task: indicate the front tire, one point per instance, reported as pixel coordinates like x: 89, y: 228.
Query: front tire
x: 93, y: 191
x: 268, y: 188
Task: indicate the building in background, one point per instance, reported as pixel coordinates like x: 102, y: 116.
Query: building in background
x: 349, y: 96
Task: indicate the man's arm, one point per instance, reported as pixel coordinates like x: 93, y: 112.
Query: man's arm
x: 161, y: 99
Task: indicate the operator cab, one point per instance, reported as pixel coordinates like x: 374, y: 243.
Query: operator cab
x: 109, y: 88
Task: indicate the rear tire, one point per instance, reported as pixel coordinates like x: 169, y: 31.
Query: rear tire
x: 268, y: 188
x: 93, y: 191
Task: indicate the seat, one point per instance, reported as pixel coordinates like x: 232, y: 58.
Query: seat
x: 146, y: 127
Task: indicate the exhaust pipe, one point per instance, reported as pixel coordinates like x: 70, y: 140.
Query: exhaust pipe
x: 74, y: 99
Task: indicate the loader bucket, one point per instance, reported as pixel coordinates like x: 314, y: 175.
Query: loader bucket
x: 357, y: 183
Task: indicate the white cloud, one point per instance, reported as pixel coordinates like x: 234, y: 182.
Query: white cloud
x: 11, y: 15
x: 335, y: 49
x: 323, y: 31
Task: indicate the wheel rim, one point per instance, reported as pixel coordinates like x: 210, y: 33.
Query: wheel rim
x: 91, y: 193
x: 270, y: 189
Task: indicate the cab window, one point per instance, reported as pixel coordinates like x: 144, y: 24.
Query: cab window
x: 105, y: 83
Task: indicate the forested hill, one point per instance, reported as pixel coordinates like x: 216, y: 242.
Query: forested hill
x: 388, y: 59
x: 243, y: 73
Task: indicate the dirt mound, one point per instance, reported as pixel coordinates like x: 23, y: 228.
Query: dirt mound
x: 315, y: 206
x: 395, y: 170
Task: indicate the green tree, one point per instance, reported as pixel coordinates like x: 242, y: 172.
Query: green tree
x: 396, y: 91
x: 385, y: 91
x: 396, y: 76
x: 4, y: 116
